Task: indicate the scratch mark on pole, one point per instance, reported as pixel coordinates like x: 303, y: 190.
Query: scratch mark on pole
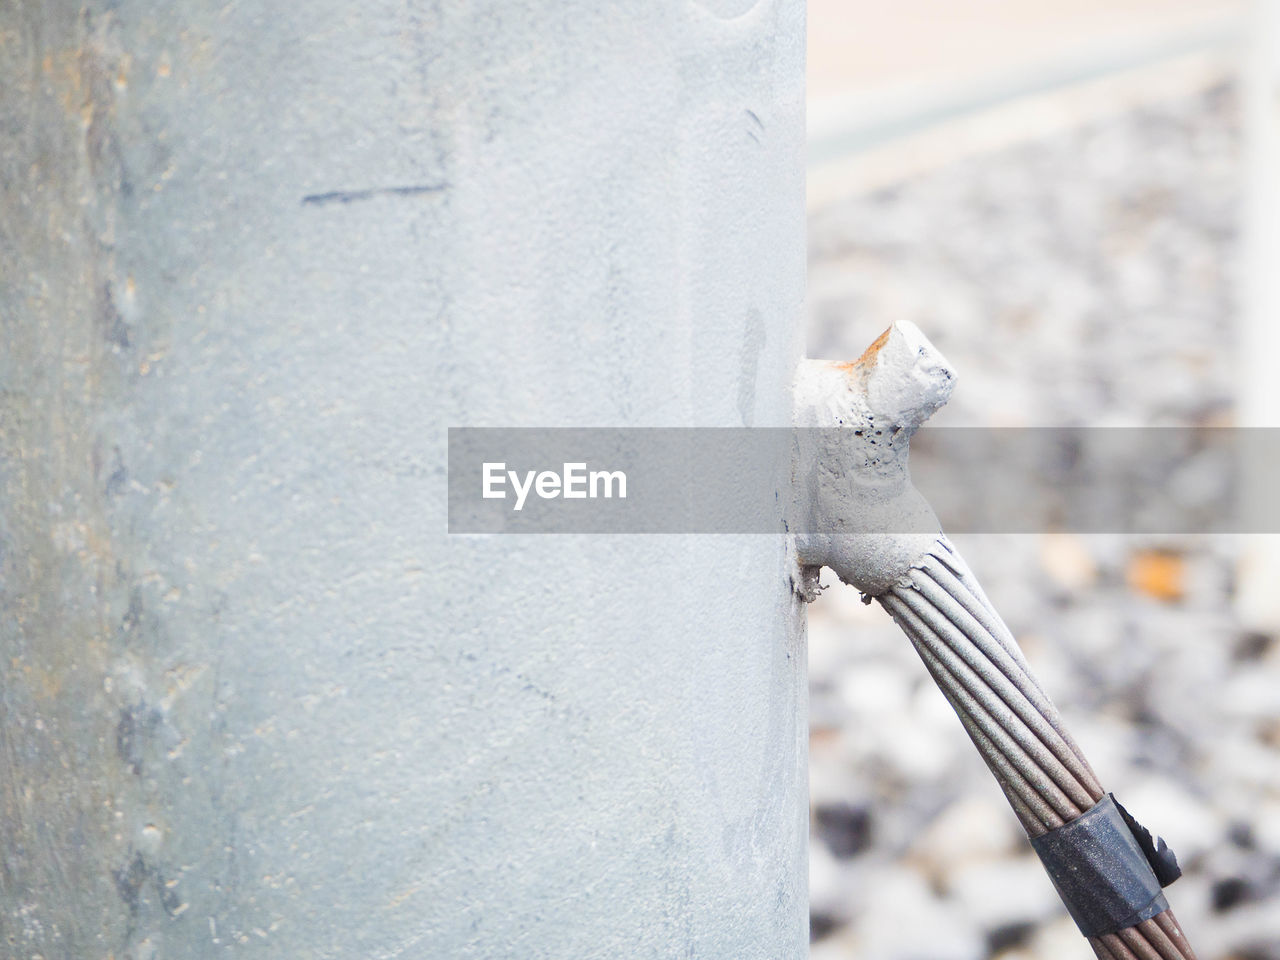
x: 349, y: 196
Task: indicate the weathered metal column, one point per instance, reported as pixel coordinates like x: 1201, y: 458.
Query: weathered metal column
x: 254, y: 259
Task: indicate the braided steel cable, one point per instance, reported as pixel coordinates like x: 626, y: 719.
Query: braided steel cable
x: 1092, y: 849
x: 981, y: 671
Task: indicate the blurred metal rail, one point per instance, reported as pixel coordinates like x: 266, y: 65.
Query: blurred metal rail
x: 842, y: 126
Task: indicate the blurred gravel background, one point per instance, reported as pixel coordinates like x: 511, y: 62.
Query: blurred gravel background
x: 1083, y: 279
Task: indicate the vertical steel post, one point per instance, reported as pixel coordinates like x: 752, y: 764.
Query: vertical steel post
x: 1259, y: 346
x: 254, y: 259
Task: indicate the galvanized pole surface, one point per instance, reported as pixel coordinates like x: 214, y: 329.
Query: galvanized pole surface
x: 254, y: 259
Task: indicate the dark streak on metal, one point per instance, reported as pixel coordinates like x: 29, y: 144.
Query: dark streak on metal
x: 348, y: 196
x: 136, y: 726
x: 129, y: 882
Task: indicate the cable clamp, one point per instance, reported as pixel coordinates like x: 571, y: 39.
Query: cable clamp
x: 1107, y: 868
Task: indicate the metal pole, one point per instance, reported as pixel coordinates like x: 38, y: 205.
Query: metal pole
x: 255, y: 258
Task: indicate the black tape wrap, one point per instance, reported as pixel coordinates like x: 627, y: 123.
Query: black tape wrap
x: 1107, y: 868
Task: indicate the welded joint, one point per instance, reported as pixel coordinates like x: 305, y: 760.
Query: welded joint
x: 857, y: 511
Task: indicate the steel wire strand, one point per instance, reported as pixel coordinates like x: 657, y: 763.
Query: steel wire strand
x: 1168, y: 923
x: 1031, y: 807
x: 1003, y: 745
x: 1164, y: 945
x: 952, y: 595
x: 989, y: 681
x: 978, y: 666
x: 1145, y: 940
x: 1137, y: 940
x: 946, y: 561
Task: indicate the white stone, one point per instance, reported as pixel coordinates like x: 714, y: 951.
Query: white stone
x: 999, y: 892
x: 971, y: 829
x: 903, y: 920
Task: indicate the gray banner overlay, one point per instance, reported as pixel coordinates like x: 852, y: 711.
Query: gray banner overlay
x: 1154, y: 480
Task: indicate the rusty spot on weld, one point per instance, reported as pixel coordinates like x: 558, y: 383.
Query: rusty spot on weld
x: 868, y: 355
